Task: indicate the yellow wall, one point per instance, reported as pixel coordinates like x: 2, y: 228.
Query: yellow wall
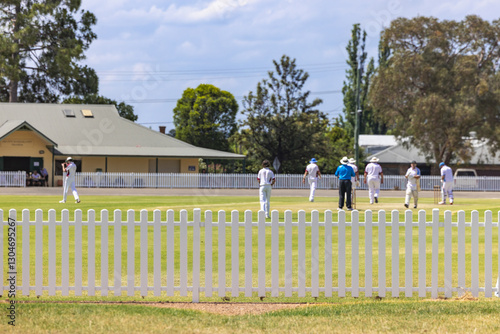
x: 185, y: 163
x: 91, y: 164
x: 24, y: 143
x: 127, y: 165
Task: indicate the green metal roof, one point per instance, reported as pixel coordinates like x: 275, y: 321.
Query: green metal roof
x: 104, y: 134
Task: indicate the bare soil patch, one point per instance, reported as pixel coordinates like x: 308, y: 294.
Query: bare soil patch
x: 221, y: 308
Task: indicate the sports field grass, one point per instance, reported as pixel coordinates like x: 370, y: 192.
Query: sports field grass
x: 367, y: 315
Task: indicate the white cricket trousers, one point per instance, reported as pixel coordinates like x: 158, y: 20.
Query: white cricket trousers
x: 373, y: 189
x: 409, y: 193
x: 312, y: 185
x: 447, y: 190
x: 265, y: 198
x: 67, y: 183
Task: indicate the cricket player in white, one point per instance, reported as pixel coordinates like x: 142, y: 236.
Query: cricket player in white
x: 413, y: 176
x: 447, y: 180
x: 373, y: 177
x: 355, y: 179
x: 313, y: 170
x: 266, y: 180
x: 69, y: 172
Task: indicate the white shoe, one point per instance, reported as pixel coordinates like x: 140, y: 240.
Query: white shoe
x: 311, y: 200
x: 442, y: 203
x: 63, y: 201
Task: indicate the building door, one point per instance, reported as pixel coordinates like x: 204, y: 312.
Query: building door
x: 16, y: 163
x: 36, y: 164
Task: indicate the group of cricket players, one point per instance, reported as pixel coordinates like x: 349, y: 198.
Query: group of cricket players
x: 348, y: 175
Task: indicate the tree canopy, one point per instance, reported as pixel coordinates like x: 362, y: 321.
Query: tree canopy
x: 206, y: 117
x: 280, y: 122
x: 440, y: 83
x: 125, y: 110
x: 40, y: 46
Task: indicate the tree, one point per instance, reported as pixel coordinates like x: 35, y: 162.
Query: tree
x: 368, y: 124
x: 440, y: 83
x: 339, y: 144
x: 206, y: 117
x: 125, y: 110
x: 40, y: 46
x: 280, y: 122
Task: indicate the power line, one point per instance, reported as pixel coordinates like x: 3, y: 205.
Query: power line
x: 179, y: 75
x: 223, y: 70
x: 171, y: 100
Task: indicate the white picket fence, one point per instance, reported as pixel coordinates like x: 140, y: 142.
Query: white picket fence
x: 243, y: 181
x: 249, y: 181
x: 269, y: 276
x: 13, y: 179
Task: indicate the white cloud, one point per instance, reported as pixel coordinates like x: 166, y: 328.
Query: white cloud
x: 233, y: 34
x: 200, y: 12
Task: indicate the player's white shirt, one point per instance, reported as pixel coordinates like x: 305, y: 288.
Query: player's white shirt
x: 265, y: 176
x: 448, y: 174
x: 71, y: 170
x: 412, y: 181
x: 355, y: 169
x: 373, y: 171
x: 312, y: 171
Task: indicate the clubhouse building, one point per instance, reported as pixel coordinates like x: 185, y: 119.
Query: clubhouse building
x: 35, y: 136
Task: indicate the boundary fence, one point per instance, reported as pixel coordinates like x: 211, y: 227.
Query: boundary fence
x: 245, y: 181
x: 13, y: 179
x: 249, y: 181
x: 266, y: 258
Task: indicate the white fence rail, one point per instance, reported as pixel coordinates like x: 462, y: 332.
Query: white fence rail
x: 421, y: 260
x: 13, y: 179
x: 249, y: 181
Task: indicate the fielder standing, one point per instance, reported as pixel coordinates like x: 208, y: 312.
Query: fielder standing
x: 266, y: 181
x: 413, y: 177
x: 373, y: 177
x: 447, y: 186
x: 69, y: 171
x: 314, y: 174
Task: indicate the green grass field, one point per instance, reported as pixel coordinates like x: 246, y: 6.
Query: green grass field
x: 349, y: 314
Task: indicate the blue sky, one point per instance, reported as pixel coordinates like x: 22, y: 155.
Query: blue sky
x: 148, y: 52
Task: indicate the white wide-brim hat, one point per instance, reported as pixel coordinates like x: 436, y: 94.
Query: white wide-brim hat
x: 352, y: 161
x: 69, y: 159
x: 374, y: 159
x: 344, y: 161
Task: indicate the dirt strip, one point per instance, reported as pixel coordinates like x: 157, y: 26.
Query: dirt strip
x: 221, y: 308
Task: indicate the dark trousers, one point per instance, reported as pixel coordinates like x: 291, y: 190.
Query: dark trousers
x: 345, y: 187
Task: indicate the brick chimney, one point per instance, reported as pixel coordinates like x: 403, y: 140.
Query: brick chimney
x: 162, y: 128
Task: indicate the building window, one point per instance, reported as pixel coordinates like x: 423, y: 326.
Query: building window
x: 87, y: 113
x: 68, y: 113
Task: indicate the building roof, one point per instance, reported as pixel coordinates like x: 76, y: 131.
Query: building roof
x: 377, y: 140
x: 12, y: 126
x: 102, y: 132
x: 400, y: 154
